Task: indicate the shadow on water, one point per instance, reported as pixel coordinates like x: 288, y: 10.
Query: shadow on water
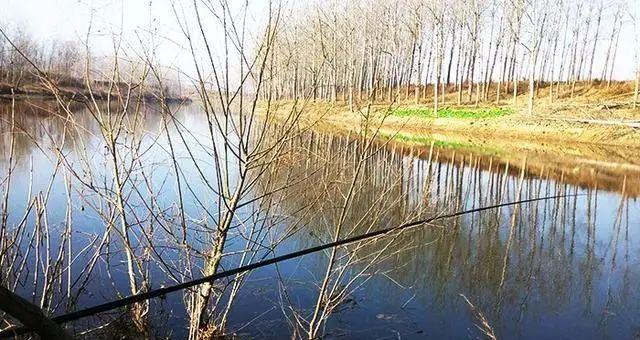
x: 551, y: 269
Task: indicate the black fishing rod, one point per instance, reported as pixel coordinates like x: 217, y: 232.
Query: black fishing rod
x: 18, y: 330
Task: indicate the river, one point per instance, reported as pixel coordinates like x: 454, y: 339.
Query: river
x: 565, y: 267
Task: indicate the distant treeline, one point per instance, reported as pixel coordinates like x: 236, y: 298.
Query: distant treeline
x: 61, y: 60
x: 64, y: 65
x: 419, y: 49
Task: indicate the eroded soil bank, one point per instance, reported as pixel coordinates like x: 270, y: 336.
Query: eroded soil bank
x: 587, y: 155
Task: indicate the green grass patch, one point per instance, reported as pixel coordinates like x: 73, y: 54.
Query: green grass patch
x: 447, y: 112
x: 427, y: 140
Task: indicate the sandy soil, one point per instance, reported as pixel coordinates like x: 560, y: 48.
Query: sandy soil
x: 588, y: 155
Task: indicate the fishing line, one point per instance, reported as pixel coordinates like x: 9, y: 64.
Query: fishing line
x: 18, y: 330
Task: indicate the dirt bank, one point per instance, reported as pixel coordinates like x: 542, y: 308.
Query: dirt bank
x: 590, y: 114
x: 540, y: 129
x: 76, y: 91
x: 593, y: 155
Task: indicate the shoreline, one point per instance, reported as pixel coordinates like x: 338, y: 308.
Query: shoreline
x: 77, y: 94
x: 588, y: 115
x: 541, y: 129
x: 589, y: 154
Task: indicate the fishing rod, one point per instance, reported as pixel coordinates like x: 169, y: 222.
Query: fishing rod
x: 18, y: 330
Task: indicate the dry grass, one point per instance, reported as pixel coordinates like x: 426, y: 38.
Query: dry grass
x: 553, y: 121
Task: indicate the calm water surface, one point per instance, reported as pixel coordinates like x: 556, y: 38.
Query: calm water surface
x: 561, y: 268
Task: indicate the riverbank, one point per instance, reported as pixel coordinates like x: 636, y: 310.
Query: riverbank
x: 76, y: 91
x: 595, y: 141
x: 594, y: 115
